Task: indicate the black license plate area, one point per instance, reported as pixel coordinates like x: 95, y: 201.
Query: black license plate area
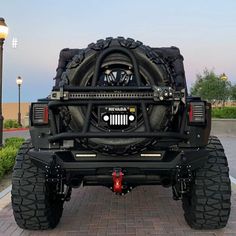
x: 117, y: 117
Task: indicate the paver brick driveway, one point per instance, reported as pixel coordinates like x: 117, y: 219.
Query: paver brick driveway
x: 92, y: 211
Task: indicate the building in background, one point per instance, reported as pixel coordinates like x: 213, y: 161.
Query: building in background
x: 10, y: 111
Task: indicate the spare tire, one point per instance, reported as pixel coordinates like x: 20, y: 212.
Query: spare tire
x: 153, y: 70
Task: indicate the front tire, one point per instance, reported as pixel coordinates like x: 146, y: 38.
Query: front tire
x: 35, y: 204
x: 207, y: 205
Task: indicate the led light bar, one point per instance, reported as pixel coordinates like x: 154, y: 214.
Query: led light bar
x: 150, y: 155
x: 85, y: 155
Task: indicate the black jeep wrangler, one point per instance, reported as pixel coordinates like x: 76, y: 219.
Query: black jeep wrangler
x: 120, y: 116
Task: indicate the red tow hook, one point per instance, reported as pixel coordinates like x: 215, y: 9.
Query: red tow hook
x: 117, y: 176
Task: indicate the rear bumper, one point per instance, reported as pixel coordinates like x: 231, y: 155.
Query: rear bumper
x: 97, y: 165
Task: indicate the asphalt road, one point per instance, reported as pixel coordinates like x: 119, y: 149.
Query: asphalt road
x: 229, y: 144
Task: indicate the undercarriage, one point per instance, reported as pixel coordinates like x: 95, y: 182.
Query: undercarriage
x: 167, y: 168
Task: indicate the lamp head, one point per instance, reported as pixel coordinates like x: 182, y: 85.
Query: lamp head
x: 224, y: 77
x: 3, y: 29
x: 19, y: 80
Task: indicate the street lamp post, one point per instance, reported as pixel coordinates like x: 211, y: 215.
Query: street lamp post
x: 3, y: 35
x: 19, y: 82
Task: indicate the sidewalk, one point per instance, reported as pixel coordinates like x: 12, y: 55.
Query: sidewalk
x: 96, y: 211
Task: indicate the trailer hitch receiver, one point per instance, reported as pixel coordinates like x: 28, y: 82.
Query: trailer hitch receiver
x: 117, y: 176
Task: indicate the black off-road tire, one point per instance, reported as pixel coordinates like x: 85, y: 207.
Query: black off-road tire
x: 207, y: 206
x: 35, y: 204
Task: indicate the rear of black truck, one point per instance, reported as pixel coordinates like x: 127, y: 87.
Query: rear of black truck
x: 121, y: 120
x: 120, y: 116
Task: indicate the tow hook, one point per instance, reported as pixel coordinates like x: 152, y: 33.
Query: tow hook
x: 117, y: 176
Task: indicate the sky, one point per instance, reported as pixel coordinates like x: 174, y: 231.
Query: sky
x: 204, y: 30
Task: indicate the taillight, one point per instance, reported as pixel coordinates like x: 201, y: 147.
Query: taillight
x: 197, y: 113
x: 40, y: 114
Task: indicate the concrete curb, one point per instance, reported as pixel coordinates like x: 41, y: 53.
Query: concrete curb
x: 5, y: 191
x: 233, y: 180
x: 15, y: 129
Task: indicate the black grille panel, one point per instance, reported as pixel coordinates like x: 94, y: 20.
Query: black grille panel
x: 117, y: 117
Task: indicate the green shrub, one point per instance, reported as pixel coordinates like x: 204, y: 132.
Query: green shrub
x: 8, y: 124
x: 1, y: 169
x: 224, y: 112
x: 14, y: 142
x: 7, y: 158
x: 8, y: 154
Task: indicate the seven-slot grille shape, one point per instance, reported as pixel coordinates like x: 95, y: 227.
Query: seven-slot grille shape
x: 118, y: 119
x: 198, y: 112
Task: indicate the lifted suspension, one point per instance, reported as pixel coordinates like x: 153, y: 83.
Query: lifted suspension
x: 55, y: 175
x: 183, y: 181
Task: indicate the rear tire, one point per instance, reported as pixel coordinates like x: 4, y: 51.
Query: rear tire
x: 35, y: 204
x: 207, y: 206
